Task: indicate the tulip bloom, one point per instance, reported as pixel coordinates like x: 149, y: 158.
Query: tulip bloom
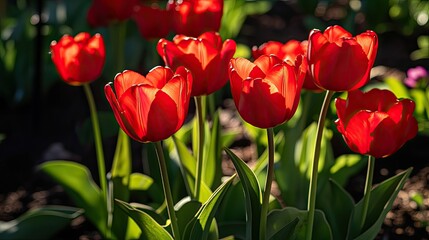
x: 290, y: 50
x: 206, y: 57
x: 266, y: 92
x: 102, y: 12
x: 80, y: 59
x: 338, y: 61
x: 148, y: 21
x: 375, y: 123
x: 194, y: 17
x: 151, y: 108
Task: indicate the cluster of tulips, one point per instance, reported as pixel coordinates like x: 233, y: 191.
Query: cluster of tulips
x: 266, y: 93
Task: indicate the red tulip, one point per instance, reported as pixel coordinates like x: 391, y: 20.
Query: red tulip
x: 102, y: 12
x: 80, y: 59
x: 151, y: 108
x: 206, y: 57
x: 194, y: 17
x: 375, y: 123
x: 340, y: 62
x: 290, y: 50
x: 266, y: 92
x: 149, y: 23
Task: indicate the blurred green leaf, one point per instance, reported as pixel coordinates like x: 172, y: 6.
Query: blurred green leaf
x: 381, y: 200
x: 79, y: 185
x: 346, y: 166
x: 40, y: 223
x: 252, y: 193
x: 142, y: 183
x: 235, y: 13
x: 108, y: 127
x: 397, y: 87
x: 422, y: 103
x: 243, y: 51
x: 149, y: 227
x: 418, y: 198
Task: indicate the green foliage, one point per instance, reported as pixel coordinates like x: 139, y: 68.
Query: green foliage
x: 252, y: 193
x: 40, y: 223
x: 423, y: 51
x: 285, y: 219
x: 149, y: 227
x: 77, y: 182
x: 381, y: 200
x: 200, y: 225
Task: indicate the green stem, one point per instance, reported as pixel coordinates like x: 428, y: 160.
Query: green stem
x: 268, y: 183
x: 367, y: 191
x: 167, y: 191
x: 98, y: 147
x: 200, y: 152
x: 311, y: 205
x: 97, y: 138
x: 118, y: 33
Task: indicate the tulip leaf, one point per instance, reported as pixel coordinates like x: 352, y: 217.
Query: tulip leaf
x: 346, y: 166
x: 120, y: 176
x: 78, y: 184
x: 187, y: 167
x: 140, y: 183
x: 338, y: 206
x: 234, y: 211
x: 160, y: 219
x: 286, y: 231
x: 199, y: 227
x: 186, y: 210
x: 212, y: 156
x: 40, y: 223
x: 151, y: 230
x: 380, y: 203
x: 262, y: 161
x: 252, y: 193
x: 293, y: 169
x: 283, y: 220
x: 235, y: 230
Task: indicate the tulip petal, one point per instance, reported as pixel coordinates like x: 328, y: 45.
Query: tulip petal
x: 136, y: 102
x: 176, y: 90
x: 158, y: 76
x: 340, y: 68
x: 369, y: 43
x: 118, y: 112
x: 359, y: 132
x: 123, y: 81
x: 162, y: 119
x: 266, y: 62
x: 335, y: 33
x: 401, y: 114
x: 255, y: 95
